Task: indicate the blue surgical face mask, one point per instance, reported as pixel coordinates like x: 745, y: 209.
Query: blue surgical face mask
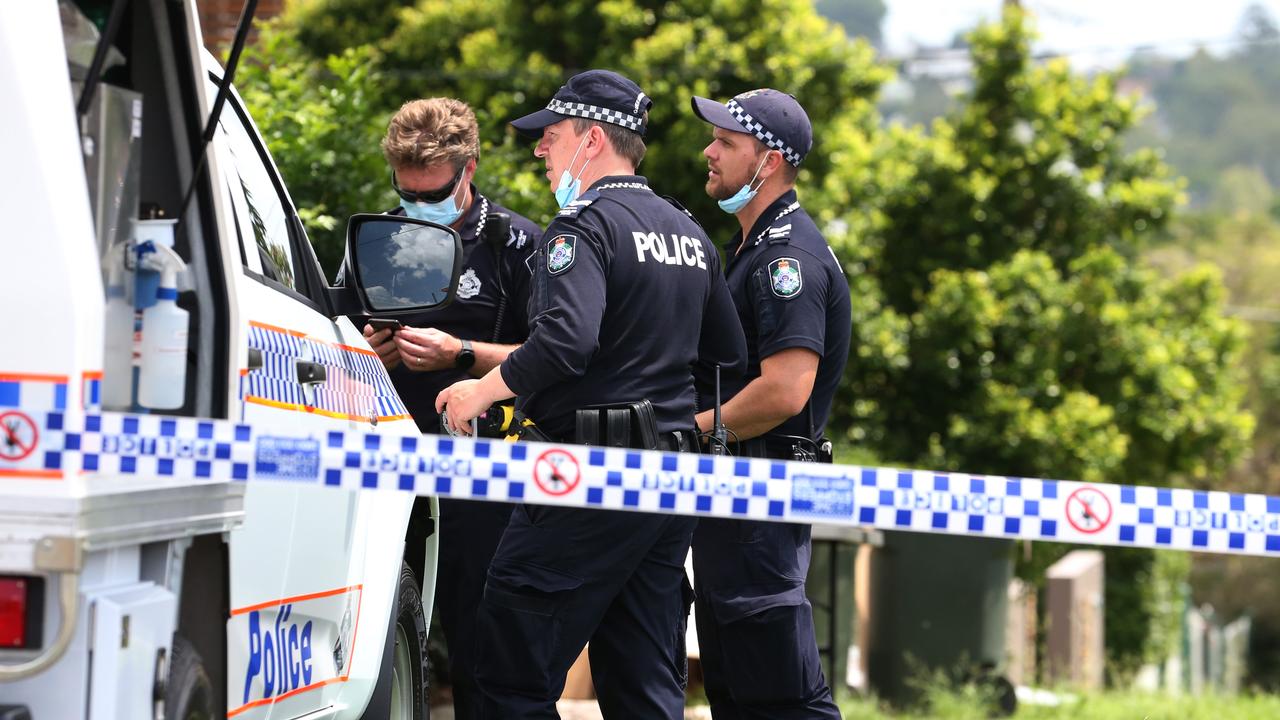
x: 569, y: 187
x: 445, y: 212
x: 745, y: 193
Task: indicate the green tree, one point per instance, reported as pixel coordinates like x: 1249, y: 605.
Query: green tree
x: 1238, y: 235
x: 1003, y: 320
x: 322, y: 126
x: 506, y: 58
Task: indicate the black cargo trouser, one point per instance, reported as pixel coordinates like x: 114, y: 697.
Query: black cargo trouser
x: 562, y: 577
x: 756, y: 642
x: 469, y: 534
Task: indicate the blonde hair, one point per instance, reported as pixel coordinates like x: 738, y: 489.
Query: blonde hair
x: 432, y: 131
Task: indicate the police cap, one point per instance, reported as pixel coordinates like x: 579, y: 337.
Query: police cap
x: 773, y: 117
x: 596, y: 95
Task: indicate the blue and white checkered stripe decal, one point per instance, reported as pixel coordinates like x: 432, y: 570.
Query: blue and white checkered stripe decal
x: 357, y: 386
x: 686, y: 484
x: 92, y: 391
x: 367, y: 370
x: 28, y: 392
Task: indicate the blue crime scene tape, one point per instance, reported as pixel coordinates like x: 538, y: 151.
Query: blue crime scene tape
x: 661, y: 482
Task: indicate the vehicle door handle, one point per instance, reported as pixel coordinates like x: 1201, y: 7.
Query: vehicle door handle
x: 255, y: 359
x: 311, y: 373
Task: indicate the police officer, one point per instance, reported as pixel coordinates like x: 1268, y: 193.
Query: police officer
x: 432, y: 146
x: 627, y: 296
x: 755, y: 627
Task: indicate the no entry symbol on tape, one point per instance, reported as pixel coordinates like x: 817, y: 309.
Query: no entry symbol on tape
x: 18, y: 436
x: 556, y: 472
x: 1088, y: 510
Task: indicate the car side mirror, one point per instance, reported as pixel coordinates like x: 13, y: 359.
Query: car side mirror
x: 397, y: 264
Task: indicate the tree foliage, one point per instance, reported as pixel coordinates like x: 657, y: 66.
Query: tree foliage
x: 1238, y: 234
x: 1011, y: 328
x: 1003, y: 320
x: 322, y: 126
x: 507, y: 58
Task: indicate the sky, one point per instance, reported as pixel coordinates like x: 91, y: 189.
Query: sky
x: 1094, y: 32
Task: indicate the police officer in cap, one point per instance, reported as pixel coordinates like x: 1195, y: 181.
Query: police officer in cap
x: 627, y: 297
x: 755, y: 626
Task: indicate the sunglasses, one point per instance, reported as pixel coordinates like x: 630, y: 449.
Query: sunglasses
x: 428, y: 196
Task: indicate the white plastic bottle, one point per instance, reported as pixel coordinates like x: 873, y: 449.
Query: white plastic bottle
x: 117, y: 366
x: 162, y: 381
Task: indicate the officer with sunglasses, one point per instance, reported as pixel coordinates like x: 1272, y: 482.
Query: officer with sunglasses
x: 432, y: 147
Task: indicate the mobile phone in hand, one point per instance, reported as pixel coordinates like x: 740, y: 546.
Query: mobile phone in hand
x: 384, y: 324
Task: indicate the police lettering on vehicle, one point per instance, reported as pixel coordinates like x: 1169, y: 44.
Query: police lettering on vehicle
x: 279, y: 655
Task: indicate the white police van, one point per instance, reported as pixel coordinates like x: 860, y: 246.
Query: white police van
x: 132, y: 587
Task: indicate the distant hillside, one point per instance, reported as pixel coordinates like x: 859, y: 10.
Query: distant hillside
x: 1216, y: 111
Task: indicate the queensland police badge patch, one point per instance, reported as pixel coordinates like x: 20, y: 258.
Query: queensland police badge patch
x: 560, y: 253
x: 784, y: 277
x: 468, y: 284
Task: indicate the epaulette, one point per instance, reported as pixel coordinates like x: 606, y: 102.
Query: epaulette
x: 518, y: 238
x: 572, y: 209
x: 779, y: 235
x: 676, y: 204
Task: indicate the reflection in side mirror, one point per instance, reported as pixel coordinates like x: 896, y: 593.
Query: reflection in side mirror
x: 403, y: 264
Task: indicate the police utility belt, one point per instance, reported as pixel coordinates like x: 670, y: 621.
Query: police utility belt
x: 787, y: 447
x: 628, y: 425
x: 814, y: 448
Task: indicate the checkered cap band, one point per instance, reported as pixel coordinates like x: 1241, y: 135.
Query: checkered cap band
x: 762, y: 133
x: 595, y: 112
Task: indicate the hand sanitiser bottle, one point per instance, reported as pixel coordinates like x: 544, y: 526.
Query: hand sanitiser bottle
x: 117, y: 366
x: 162, y: 381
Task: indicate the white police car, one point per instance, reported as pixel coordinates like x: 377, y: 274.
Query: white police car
x: 132, y: 586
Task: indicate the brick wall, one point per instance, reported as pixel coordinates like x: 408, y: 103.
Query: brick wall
x: 218, y: 20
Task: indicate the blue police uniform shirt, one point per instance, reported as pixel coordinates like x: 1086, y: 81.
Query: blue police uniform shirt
x: 627, y: 297
x: 790, y: 292
x: 473, y: 313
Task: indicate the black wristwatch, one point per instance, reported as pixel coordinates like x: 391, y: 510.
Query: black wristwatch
x: 466, y: 357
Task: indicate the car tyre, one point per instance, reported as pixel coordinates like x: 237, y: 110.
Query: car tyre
x: 188, y: 694
x: 403, y: 682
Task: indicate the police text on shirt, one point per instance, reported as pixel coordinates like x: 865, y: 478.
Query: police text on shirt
x: 676, y: 250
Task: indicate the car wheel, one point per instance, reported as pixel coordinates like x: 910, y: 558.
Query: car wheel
x: 401, y: 691
x: 188, y: 694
